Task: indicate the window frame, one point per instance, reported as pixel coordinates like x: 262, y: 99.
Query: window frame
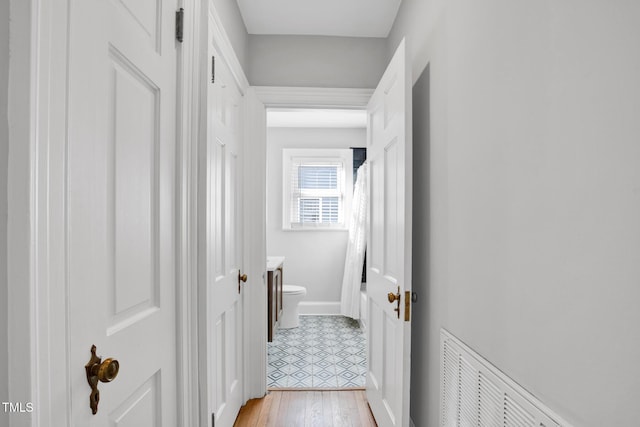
x: 317, y: 156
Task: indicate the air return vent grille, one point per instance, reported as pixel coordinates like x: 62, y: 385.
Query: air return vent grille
x: 475, y: 393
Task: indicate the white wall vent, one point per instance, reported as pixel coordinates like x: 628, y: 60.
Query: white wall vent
x: 475, y: 393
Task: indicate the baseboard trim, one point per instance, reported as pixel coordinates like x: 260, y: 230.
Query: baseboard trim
x: 319, y: 308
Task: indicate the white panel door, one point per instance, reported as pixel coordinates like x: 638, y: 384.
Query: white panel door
x: 389, y: 244
x: 121, y: 216
x: 223, y: 251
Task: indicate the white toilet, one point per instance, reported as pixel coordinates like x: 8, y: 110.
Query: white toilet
x: 291, y: 297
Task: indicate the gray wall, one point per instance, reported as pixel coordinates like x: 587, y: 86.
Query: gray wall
x: 314, y: 259
x: 533, y: 189
x: 4, y: 143
x: 233, y: 24
x: 304, y: 61
x: 316, y: 61
x: 424, y: 356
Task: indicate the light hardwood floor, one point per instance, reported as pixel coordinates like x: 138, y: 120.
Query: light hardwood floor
x: 343, y: 408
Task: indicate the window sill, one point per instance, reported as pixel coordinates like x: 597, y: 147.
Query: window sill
x: 315, y: 229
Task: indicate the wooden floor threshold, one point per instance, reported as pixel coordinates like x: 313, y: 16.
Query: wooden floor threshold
x: 307, y: 408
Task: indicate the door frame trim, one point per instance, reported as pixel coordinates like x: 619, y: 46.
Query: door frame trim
x: 273, y: 97
x: 36, y: 238
x: 37, y: 214
x: 187, y: 220
x: 313, y: 97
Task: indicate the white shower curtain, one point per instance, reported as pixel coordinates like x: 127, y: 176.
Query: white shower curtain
x: 351, y: 282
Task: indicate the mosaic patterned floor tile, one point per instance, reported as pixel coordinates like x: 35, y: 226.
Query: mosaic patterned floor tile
x: 323, y: 352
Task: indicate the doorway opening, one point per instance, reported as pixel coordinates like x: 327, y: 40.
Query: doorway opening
x: 312, y: 158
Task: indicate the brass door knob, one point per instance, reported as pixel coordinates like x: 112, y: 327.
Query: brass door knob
x: 241, y: 278
x: 108, y: 370
x: 393, y: 297
x: 99, y: 371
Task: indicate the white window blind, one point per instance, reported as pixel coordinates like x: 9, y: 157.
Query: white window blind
x: 315, y: 191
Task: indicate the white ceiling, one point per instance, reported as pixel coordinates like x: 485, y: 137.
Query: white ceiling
x: 311, y: 118
x: 349, y: 18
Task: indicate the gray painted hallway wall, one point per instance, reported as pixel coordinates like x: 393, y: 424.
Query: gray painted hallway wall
x: 532, y: 197
x: 316, y: 61
x: 4, y: 146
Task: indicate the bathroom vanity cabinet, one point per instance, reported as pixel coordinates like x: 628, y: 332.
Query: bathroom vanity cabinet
x: 274, y: 292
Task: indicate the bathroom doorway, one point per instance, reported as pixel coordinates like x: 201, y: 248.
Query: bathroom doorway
x: 312, y: 159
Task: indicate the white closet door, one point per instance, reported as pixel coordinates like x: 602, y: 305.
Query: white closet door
x: 221, y: 162
x: 121, y: 209
x: 389, y: 245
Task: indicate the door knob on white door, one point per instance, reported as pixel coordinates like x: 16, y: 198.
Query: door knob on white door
x: 395, y: 298
x: 241, y: 278
x: 102, y: 371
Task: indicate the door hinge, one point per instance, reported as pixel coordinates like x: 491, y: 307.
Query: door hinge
x: 180, y: 24
x: 213, y: 69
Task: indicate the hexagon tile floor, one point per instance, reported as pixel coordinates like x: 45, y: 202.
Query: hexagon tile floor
x: 323, y: 352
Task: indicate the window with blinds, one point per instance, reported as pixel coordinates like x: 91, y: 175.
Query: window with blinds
x: 315, y: 188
